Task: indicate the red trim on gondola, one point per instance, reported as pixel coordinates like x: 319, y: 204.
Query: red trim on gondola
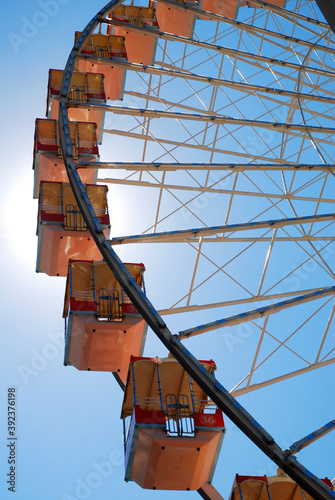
x: 94, y: 150
x: 128, y: 308
x: 44, y: 216
x: 240, y: 479
x: 156, y: 417
x: 82, y: 305
x: 209, y: 419
x: 101, y: 96
x: 46, y: 147
x: 104, y: 220
x: 53, y: 91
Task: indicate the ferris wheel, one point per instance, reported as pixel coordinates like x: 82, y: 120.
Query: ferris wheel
x: 220, y: 165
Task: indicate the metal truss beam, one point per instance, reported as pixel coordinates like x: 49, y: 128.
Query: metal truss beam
x: 287, y: 105
x: 236, y: 302
x: 241, y: 86
x: 173, y: 167
x: 312, y: 437
x: 260, y: 312
x: 287, y: 13
x: 237, y: 54
x: 287, y: 128
x: 249, y: 28
x: 229, y: 239
x: 288, y: 196
x: 254, y: 387
x: 219, y: 395
x: 212, y: 149
x: 226, y: 228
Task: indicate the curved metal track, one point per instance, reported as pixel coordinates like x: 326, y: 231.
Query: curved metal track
x: 224, y: 400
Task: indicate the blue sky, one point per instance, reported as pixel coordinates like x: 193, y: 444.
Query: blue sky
x: 68, y: 427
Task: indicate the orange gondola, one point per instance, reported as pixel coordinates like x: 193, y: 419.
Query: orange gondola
x: 103, y: 327
x: 141, y: 48
x: 97, y: 56
x: 61, y: 231
x: 280, y: 487
x: 225, y: 8
x: 84, y: 88
x: 177, y: 21
x: 48, y: 162
x: 173, y: 434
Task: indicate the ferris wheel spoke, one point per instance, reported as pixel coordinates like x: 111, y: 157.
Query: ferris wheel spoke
x: 234, y: 302
x: 180, y: 235
x: 188, y: 75
x: 247, y: 57
x: 250, y: 155
x: 223, y: 120
x: 139, y: 183
x: 172, y: 167
x: 287, y: 13
x: 311, y: 437
x: 269, y: 112
x: 256, y: 313
x: 286, y: 376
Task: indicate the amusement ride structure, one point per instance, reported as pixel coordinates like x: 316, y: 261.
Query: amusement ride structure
x: 221, y: 159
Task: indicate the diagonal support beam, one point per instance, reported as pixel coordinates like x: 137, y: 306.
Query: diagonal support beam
x: 257, y: 313
x: 311, y: 438
x: 255, y: 387
x: 229, y: 303
x: 241, y: 86
x: 288, y: 13
x: 173, y: 167
x: 198, y: 117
